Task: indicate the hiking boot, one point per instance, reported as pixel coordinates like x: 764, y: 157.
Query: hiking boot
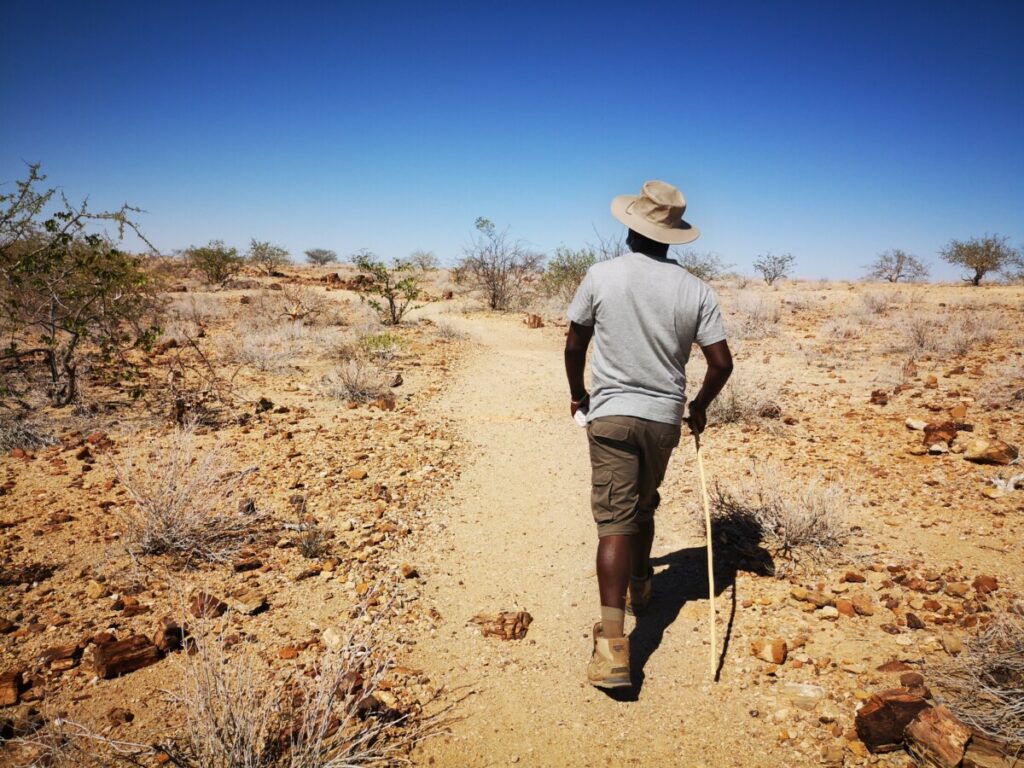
x: 609, y: 664
x: 639, y: 595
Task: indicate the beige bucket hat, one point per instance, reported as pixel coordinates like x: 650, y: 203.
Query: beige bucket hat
x: 657, y: 213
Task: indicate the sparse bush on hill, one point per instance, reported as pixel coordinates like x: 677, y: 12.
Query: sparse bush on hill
x: 215, y: 261
x: 983, y: 255
x: 565, y: 271
x: 896, y: 265
x: 497, y: 265
x: 321, y: 256
x: 772, y: 267
x: 706, y: 266
x: 266, y: 256
x: 397, y: 286
x: 758, y: 317
x: 67, y: 295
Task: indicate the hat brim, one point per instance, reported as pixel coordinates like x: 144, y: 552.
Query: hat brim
x: 684, y: 233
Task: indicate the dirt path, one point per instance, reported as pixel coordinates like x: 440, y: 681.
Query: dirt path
x: 519, y: 535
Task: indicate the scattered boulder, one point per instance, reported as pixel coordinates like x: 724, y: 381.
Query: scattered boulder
x: 879, y: 397
x: 983, y: 451
x: 916, y: 424
x: 936, y: 737
x: 881, y: 721
x: 506, y: 625
x: 534, y: 321
x: 942, y: 432
x: 124, y: 656
x: 204, y: 606
x: 773, y: 651
x: 984, y: 584
x: 11, y: 683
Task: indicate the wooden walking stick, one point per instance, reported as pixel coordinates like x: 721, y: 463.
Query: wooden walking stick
x: 711, y: 557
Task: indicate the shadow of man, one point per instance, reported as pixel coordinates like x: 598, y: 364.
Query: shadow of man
x: 737, y: 548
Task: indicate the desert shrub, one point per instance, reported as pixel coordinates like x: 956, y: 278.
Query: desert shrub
x: 380, y: 346
x: 18, y: 431
x: 844, y: 328
x: 397, y: 286
x: 267, y: 350
x: 266, y: 256
x: 447, y: 332
x: 984, y: 685
x: 182, y: 501
x: 199, y: 308
x: 758, y: 317
x: 706, y: 266
x: 321, y: 256
x: 356, y: 379
x: 565, y: 271
x: 215, y: 261
x: 874, y: 302
x: 772, y: 267
x: 67, y: 295
x: 239, y: 715
x: 741, y: 402
x: 967, y: 331
x: 424, y: 261
x: 800, y: 523
x: 497, y: 265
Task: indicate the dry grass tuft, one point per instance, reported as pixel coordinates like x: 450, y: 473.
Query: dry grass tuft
x: 797, y: 522
x: 984, y: 686
x: 447, y: 332
x: 743, y: 402
x: 755, y: 317
x: 356, y: 379
x: 18, y: 432
x: 183, y: 501
x: 238, y: 715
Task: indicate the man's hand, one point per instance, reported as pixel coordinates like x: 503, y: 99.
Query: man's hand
x: 575, y: 405
x: 698, y: 418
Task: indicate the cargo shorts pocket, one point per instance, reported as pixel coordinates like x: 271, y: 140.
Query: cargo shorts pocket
x: 669, y: 439
x: 609, y: 430
x: 601, y: 495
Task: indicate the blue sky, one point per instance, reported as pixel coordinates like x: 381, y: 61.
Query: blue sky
x: 830, y: 130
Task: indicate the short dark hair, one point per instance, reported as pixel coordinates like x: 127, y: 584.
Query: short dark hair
x: 643, y: 244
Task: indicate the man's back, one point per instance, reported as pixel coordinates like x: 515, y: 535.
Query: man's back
x: 647, y: 313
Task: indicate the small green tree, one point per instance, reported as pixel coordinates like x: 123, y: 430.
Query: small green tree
x: 565, y: 271
x: 896, y: 265
x: 321, y: 256
x: 706, y: 266
x: 981, y: 255
x: 266, y: 257
x: 67, y: 294
x: 773, y: 267
x: 217, y: 262
x: 397, y: 286
x: 497, y: 265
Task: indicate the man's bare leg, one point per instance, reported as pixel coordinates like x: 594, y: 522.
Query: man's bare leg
x: 613, y: 565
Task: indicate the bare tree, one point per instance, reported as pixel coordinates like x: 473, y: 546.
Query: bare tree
x: 497, y: 265
x: 707, y: 266
x: 321, y: 256
x: 896, y: 265
x: 608, y: 246
x: 773, y: 267
x: 981, y: 255
x: 424, y: 261
x: 266, y: 256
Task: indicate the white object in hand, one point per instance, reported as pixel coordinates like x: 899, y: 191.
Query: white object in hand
x: 580, y: 417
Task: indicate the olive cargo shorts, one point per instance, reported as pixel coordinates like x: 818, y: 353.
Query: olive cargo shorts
x: 628, y: 458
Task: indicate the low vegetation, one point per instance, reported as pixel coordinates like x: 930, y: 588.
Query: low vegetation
x: 215, y: 261
x: 498, y: 266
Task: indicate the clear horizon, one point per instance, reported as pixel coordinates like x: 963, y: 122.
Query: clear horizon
x: 829, y: 132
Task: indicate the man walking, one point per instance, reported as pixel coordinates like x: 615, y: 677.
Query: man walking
x: 644, y: 312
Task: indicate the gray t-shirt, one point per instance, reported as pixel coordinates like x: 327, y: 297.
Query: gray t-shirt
x: 646, y: 313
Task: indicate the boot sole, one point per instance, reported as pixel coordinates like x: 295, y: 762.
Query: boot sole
x: 612, y: 682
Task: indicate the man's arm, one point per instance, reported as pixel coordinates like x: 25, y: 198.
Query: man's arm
x: 576, y: 343
x: 719, y: 369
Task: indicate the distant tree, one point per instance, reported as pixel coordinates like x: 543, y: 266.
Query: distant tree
x: 497, y: 265
x: 608, y: 247
x: 425, y: 261
x: 321, y: 256
x: 981, y: 255
x: 217, y: 262
x: 265, y: 256
x: 565, y: 271
x: 397, y: 286
x: 896, y: 265
x: 707, y: 266
x: 773, y: 267
x: 65, y: 293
